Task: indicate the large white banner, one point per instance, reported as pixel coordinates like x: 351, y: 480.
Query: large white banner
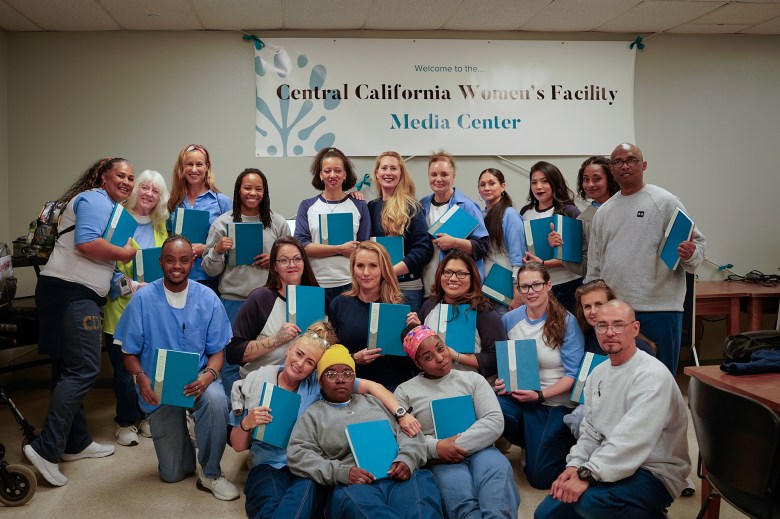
x: 366, y: 96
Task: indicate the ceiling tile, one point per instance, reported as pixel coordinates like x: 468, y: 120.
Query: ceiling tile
x: 154, y: 15
x: 708, y: 28
x: 324, y: 14
x: 246, y: 14
x: 66, y: 15
x: 770, y: 27
x: 13, y: 20
x: 493, y: 15
x: 576, y: 15
x: 741, y: 13
x: 658, y: 16
x: 411, y: 15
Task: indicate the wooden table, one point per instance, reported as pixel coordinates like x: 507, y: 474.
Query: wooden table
x: 764, y: 388
x: 758, y: 294
x: 721, y: 297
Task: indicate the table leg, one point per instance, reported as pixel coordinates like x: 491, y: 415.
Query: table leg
x: 732, y: 319
x: 713, y: 511
x: 755, y: 313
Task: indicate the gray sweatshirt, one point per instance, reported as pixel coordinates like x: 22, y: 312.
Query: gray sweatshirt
x: 318, y: 447
x: 635, y: 418
x: 419, y: 391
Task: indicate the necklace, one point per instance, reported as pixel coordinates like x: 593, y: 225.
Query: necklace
x: 332, y: 205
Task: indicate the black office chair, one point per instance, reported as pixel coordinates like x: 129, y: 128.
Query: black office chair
x: 739, y: 445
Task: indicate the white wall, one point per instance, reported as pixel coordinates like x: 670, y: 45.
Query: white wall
x: 706, y: 118
x: 4, y: 224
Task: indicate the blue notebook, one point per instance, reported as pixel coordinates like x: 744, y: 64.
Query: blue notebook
x: 121, y: 226
x: 336, y: 229
x: 570, y: 230
x: 247, y: 242
x: 146, y: 267
x: 193, y: 224
x: 499, y: 285
x: 394, y: 246
x: 589, y: 361
x: 305, y: 305
x: 385, y: 324
x: 452, y: 415
x: 457, y: 327
x: 373, y: 446
x: 172, y: 371
x: 680, y: 229
x: 284, y: 406
x: 456, y: 222
x: 518, y: 364
x: 536, y: 232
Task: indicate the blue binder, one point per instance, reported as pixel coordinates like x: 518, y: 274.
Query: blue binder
x: 589, y: 361
x: 121, y: 226
x: 193, y: 224
x: 247, y: 242
x: 518, y: 364
x: 499, y: 285
x: 385, y: 324
x: 680, y: 229
x: 284, y: 406
x: 452, y: 415
x: 305, y: 305
x: 172, y: 371
x: 336, y: 228
x: 373, y: 446
x: 394, y: 246
x: 456, y: 222
x: 146, y: 267
x: 457, y: 327
x: 570, y: 230
x: 536, y: 232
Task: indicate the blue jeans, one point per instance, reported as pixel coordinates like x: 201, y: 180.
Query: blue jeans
x: 278, y: 493
x: 230, y: 372
x: 413, y: 298
x: 564, y: 293
x: 539, y: 429
x: 175, y: 452
x: 482, y: 486
x: 640, y: 496
x: 665, y: 330
x: 127, y: 410
x: 415, y: 498
x: 73, y: 375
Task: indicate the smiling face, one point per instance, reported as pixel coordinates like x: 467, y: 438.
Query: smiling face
x: 291, y: 273
x: 195, y: 168
x: 367, y: 271
x: 119, y: 181
x: 337, y: 390
x: 591, y: 303
x: 251, y: 194
x: 441, y: 178
x: 332, y: 174
x: 176, y: 263
x: 453, y: 287
x: 388, y: 174
x: 542, y: 189
x: 594, y: 183
x: 490, y: 188
x: 148, y: 196
x: 433, y: 357
x: 301, y: 359
x: 536, y: 301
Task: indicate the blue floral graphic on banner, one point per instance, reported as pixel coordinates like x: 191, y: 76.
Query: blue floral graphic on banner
x: 288, y: 127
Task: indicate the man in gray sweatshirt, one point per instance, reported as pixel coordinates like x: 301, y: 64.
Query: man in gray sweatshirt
x: 631, y: 459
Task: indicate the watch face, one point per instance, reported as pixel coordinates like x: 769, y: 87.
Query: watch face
x: 400, y: 412
x: 584, y: 474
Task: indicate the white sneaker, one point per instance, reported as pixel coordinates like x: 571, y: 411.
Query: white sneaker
x: 221, y: 488
x: 127, y: 436
x: 93, y: 450
x: 144, y: 429
x: 50, y: 471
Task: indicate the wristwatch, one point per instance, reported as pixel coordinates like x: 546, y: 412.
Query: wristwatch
x: 541, y: 396
x: 584, y: 474
x: 401, y: 412
x: 135, y: 376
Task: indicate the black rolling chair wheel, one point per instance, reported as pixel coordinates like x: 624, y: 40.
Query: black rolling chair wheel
x: 20, y: 488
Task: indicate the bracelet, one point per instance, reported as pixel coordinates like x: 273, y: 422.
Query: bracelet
x: 135, y: 376
x: 241, y: 424
x: 457, y: 358
x: 541, y: 396
x: 213, y: 372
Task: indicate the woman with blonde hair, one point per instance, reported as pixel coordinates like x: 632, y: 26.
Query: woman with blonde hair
x: 396, y: 212
x: 373, y: 281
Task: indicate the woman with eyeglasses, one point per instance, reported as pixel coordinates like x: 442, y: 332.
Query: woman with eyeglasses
x: 320, y: 450
x: 458, y: 283
x: 251, y: 203
x: 333, y: 174
x: 533, y: 420
x: 261, y: 333
x: 396, y: 212
x: 271, y: 489
x: 193, y: 187
x: 373, y: 281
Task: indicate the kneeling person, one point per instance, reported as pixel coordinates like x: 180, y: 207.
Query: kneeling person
x: 173, y: 313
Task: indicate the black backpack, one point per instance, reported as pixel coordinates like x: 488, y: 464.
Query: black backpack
x: 43, y: 231
x: 739, y: 348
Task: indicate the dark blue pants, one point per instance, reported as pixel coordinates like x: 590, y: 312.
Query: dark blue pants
x: 564, y: 293
x: 539, y: 429
x: 640, y: 496
x: 665, y: 330
x: 230, y: 372
x: 278, y: 493
x: 73, y: 375
x: 414, y: 298
x: 127, y: 410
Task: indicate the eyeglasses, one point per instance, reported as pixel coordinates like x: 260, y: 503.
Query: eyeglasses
x: 312, y: 335
x: 618, y: 163
x: 346, y: 376
x: 536, y: 287
x: 617, y: 328
x: 460, y: 274
x: 286, y: 261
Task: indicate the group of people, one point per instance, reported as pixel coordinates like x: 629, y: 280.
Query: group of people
x: 624, y: 451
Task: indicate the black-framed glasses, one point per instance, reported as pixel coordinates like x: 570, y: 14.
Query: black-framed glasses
x: 346, y: 376
x: 536, y: 287
x: 286, y: 261
x: 460, y: 274
x: 617, y: 328
x: 618, y: 163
